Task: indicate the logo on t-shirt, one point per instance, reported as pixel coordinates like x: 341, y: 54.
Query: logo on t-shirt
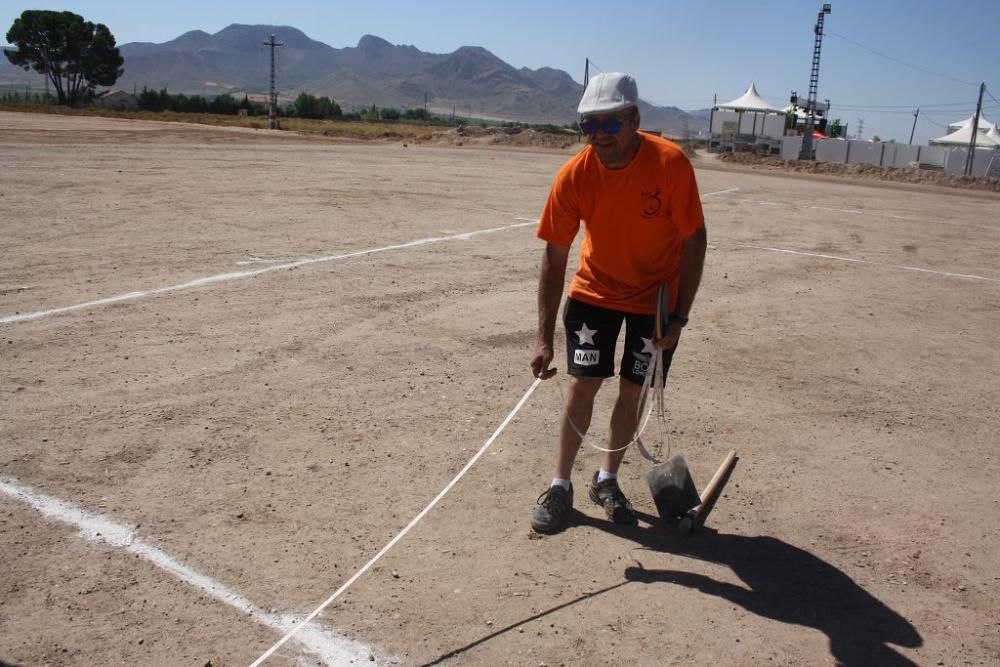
x: 651, y: 203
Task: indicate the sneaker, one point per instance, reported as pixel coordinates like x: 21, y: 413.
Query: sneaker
x: 609, y: 495
x: 553, y: 510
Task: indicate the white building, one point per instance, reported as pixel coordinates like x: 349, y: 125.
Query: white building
x: 119, y: 100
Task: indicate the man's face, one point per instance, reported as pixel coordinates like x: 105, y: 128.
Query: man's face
x: 615, y: 149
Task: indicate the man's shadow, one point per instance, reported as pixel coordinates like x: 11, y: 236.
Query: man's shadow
x: 784, y: 583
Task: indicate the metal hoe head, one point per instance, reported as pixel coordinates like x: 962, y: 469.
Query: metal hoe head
x: 673, y: 490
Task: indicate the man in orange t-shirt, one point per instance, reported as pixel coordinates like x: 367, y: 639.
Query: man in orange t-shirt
x: 638, y: 201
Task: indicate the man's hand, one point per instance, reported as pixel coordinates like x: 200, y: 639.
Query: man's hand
x: 550, y: 287
x: 540, y: 362
x: 670, y: 338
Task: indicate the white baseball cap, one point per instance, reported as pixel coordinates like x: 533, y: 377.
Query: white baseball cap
x: 609, y: 92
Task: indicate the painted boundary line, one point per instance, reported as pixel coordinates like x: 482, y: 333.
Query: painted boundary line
x: 720, y: 192
x: 332, y: 648
x: 892, y: 216
x: 239, y: 275
x: 404, y: 531
x: 963, y: 276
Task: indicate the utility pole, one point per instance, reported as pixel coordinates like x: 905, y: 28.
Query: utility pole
x: 861, y: 127
x: 975, y: 131
x: 272, y: 113
x: 914, y: 128
x: 807, y: 138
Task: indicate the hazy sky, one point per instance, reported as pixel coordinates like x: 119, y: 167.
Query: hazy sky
x: 934, y: 53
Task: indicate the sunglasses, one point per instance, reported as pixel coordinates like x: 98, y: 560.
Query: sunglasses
x: 610, y: 126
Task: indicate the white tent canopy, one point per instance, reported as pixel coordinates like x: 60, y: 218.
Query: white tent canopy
x: 994, y: 134
x: 749, y: 101
x: 984, y: 125
x: 962, y: 138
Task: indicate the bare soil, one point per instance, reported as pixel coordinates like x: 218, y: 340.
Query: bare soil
x: 274, y: 431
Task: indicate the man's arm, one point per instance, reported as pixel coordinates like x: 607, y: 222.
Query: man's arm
x: 550, y: 288
x: 692, y: 264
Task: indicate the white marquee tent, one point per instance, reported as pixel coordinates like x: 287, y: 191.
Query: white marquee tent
x: 963, y: 136
x: 749, y: 101
x: 984, y: 124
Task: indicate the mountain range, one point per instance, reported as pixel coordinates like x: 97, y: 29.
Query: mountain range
x: 470, y: 81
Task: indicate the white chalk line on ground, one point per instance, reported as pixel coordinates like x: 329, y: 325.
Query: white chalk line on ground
x: 964, y: 276
x: 404, y: 531
x: 239, y: 275
x: 262, y: 260
x: 872, y: 214
x: 332, y: 648
x: 720, y: 192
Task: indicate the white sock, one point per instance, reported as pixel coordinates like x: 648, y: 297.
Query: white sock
x: 558, y: 481
x: 604, y: 474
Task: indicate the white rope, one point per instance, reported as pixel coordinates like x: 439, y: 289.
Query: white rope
x: 399, y: 536
x: 653, y: 380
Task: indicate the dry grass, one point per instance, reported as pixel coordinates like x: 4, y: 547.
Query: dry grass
x: 332, y: 128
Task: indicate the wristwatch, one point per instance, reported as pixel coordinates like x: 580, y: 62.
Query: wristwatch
x: 680, y: 320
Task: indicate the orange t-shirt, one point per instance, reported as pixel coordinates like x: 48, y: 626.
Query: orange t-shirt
x: 634, y: 221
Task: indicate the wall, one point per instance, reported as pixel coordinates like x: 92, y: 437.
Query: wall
x: 721, y: 118
x: 949, y: 158
x: 864, y: 152
x: 790, y: 147
x: 903, y: 156
x: 933, y: 155
x: 955, y: 156
x: 831, y: 150
x: 774, y: 126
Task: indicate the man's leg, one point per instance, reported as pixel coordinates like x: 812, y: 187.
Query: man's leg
x: 591, y: 334
x: 604, y: 489
x: 555, y: 504
x: 623, y: 423
x: 577, y: 413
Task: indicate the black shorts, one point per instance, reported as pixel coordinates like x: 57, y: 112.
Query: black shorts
x: 591, y: 337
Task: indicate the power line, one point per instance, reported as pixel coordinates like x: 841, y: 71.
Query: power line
x: 907, y: 106
x: 932, y: 122
x: 905, y: 110
x: 897, y: 60
x: 596, y: 66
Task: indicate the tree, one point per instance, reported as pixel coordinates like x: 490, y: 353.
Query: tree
x: 76, y: 55
x: 306, y: 106
x: 224, y: 104
x: 327, y: 108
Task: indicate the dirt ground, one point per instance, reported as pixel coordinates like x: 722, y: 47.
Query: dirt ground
x: 271, y: 431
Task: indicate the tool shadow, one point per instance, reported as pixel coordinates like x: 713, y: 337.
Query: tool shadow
x: 783, y: 583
